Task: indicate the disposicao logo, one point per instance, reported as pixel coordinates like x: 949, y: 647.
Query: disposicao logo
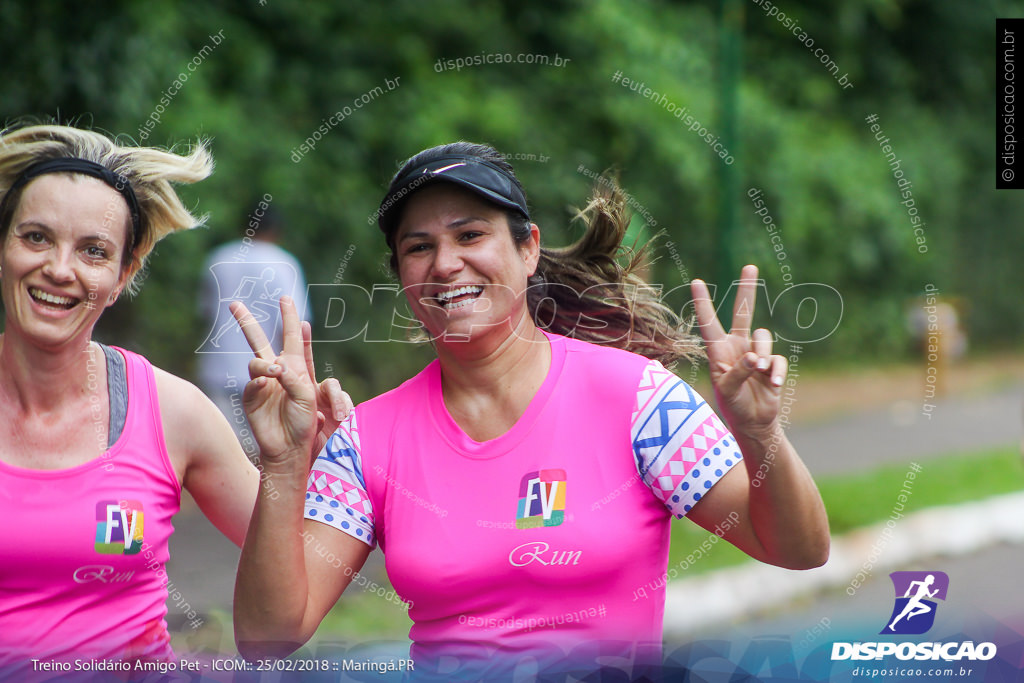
x: 913, y: 613
x: 916, y: 592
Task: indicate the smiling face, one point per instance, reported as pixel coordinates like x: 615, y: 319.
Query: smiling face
x: 61, y: 258
x: 462, y: 273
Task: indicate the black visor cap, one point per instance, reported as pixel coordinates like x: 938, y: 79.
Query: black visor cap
x: 475, y: 174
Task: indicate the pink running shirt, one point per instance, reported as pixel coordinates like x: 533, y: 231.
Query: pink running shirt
x: 533, y: 544
x: 83, y: 550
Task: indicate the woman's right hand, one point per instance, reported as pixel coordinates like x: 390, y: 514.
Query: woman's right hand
x: 281, y: 398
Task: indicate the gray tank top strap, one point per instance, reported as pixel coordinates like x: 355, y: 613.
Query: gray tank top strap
x: 117, y: 391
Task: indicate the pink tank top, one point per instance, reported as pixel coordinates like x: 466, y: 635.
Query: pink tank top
x: 545, y: 546
x: 82, y: 550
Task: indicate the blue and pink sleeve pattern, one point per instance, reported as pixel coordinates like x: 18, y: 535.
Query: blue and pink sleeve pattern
x: 681, y: 446
x: 336, y: 491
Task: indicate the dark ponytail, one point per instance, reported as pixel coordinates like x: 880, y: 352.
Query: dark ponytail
x: 585, y: 292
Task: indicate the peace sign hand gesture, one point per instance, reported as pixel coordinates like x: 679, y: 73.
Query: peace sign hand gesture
x: 746, y: 377
x: 290, y: 414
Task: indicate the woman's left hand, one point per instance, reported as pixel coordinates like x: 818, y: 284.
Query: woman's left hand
x: 746, y: 377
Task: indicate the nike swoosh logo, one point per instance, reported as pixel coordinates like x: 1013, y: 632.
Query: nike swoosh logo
x: 445, y: 168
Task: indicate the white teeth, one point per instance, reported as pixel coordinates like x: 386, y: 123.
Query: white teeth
x: 452, y: 293
x: 50, y: 298
x: 458, y: 304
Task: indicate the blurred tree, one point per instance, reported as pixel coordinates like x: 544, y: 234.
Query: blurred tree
x: 288, y: 74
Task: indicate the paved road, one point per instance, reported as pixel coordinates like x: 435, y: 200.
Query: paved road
x: 899, y: 432
x: 983, y: 586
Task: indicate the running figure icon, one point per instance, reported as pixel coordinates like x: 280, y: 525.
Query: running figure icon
x: 263, y: 304
x: 917, y: 593
x: 915, y: 606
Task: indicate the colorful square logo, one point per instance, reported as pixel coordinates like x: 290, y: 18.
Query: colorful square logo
x: 541, y: 499
x: 118, y: 527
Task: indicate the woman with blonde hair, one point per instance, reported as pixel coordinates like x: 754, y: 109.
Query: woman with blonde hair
x: 95, y: 443
x: 521, y: 485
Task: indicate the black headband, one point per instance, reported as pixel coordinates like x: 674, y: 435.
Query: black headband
x: 85, y: 167
x: 473, y: 173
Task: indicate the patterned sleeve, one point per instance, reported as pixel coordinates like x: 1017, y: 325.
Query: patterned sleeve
x: 681, y: 446
x: 336, y: 491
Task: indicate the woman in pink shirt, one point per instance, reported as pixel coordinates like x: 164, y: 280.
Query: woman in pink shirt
x: 522, y: 484
x: 95, y: 443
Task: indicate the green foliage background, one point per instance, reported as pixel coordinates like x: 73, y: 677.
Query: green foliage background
x: 927, y: 69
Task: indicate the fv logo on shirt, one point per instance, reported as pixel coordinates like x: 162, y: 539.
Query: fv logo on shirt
x: 118, y: 527
x: 541, y: 499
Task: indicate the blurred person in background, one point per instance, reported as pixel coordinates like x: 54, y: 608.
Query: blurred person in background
x: 255, y: 270
x: 96, y: 444
x: 522, y: 485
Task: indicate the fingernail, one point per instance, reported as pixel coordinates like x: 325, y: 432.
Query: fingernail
x: 777, y: 380
x: 274, y: 369
x: 750, y: 363
x: 762, y: 363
